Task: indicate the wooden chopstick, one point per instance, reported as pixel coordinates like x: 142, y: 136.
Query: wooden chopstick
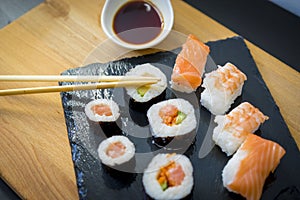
x: 71, y: 78
x: 66, y: 88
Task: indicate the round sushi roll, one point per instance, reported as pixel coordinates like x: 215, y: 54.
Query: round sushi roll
x: 102, y: 110
x: 168, y: 176
x: 116, y: 151
x: 172, y: 119
x: 142, y: 97
x: 106, y: 113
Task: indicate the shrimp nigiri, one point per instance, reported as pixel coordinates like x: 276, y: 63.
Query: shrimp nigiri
x: 234, y: 127
x: 222, y: 87
x: 246, y: 172
x: 189, y: 65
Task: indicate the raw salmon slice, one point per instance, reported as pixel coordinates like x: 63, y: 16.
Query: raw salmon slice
x: 115, y: 150
x: 189, y: 65
x: 170, y: 175
x: 102, y: 110
x: 246, y: 172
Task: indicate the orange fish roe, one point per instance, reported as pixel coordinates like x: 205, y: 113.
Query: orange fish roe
x: 171, y: 175
x: 102, y: 109
x: 168, y: 114
x: 115, y: 150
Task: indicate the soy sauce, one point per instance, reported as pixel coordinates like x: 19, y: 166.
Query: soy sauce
x: 137, y: 22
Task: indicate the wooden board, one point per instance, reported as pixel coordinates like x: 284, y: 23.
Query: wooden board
x: 57, y: 35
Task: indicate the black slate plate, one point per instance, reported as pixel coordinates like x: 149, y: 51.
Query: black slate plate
x: 95, y: 182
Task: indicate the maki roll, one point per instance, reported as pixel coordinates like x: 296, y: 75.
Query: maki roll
x: 222, y: 87
x: 246, y: 172
x: 172, y: 119
x: 142, y: 97
x: 234, y: 127
x: 168, y: 176
x: 102, y: 110
x: 105, y: 112
x: 116, y: 152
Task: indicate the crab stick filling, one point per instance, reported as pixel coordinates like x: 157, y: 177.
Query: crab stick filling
x: 171, y: 115
x: 170, y: 175
x: 115, y: 150
x: 102, y: 110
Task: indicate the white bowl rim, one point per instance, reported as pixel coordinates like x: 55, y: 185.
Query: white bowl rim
x: 163, y: 34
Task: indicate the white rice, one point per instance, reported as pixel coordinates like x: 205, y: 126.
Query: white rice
x: 219, y: 99
x: 102, y: 118
x: 160, y: 129
x: 228, y: 141
x: 232, y: 167
x: 181, y: 87
x: 107, y: 160
x: 155, y: 89
x: 153, y: 187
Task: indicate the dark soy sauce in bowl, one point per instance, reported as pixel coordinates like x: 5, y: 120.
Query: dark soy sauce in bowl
x: 137, y: 22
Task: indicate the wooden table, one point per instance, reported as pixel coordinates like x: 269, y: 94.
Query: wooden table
x: 58, y: 34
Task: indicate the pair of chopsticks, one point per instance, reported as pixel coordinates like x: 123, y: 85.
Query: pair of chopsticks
x: 101, y: 82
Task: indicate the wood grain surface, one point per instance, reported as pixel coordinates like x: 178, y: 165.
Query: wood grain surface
x: 35, y: 156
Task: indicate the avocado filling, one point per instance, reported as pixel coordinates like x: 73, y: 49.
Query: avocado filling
x: 142, y: 90
x: 180, y: 117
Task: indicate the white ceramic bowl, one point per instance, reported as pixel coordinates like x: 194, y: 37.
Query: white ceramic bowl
x: 112, y: 6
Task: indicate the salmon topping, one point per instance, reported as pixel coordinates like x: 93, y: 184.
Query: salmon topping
x: 170, y: 175
x: 190, y: 63
x: 102, y: 110
x: 263, y: 158
x: 115, y: 150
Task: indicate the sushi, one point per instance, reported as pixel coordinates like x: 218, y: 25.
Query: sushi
x: 168, y: 176
x: 222, y: 87
x: 106, y: 113
x: 171, y: 119
x: 246, y: 172
x: 115, y: 151
x: 234, y: 127
x: 189, y: 65
x: 143, y: 97
x: 102, y: 110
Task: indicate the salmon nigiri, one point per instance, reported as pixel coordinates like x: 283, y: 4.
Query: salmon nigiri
x: 234, y: 127
x: 246, y: 172
x: 189, y: 65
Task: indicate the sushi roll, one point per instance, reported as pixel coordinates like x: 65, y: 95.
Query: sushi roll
x: 168, y: 176
x: 171, y: 119
x: 189, y: 65
x: 222, y: 87
x: 246, y: 172
x: 234, y: 127
x: 116, y: 151
x: 105, y: 112
x: 102, y: 110
x: 142, y: 97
